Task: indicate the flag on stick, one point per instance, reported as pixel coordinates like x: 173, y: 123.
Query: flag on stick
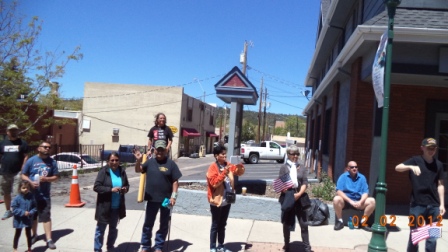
x: 425, y: 232
x: 283, y: 182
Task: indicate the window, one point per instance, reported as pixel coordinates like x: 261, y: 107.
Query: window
x: 274, y: 145
x: 190, y: 115
x: 326, y: 137
x: 212, y: 119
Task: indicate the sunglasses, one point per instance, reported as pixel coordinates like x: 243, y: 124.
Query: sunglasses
x: 351, y: 167
x: 114, y: 160
x: 45, y: 147
x: 294, y: 154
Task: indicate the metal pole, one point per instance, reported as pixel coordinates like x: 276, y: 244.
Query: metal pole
x: 378, y: 240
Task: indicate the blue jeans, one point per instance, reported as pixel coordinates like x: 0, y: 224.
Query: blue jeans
x: 425, y: 211
x: 113, y: 231
x: 150, y: 217
x: 219, y: 222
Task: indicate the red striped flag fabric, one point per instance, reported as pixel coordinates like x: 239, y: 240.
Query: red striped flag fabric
x: 419, y: 234
x: 283, y: 182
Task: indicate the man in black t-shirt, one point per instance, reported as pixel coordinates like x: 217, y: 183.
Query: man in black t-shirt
x: 427, y: 197
x: 13, y: 153
x: 161, y: 183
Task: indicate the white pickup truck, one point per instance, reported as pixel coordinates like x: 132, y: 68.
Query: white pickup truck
x: 266, y: 150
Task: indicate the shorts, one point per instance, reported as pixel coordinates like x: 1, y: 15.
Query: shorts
x: 43, y: 210
x: 7, y: 184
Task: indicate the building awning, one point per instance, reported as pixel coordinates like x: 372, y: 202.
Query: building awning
x: 211, y: 134
x: 187, y: 132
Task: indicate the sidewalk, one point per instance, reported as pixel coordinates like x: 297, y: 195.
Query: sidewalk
x: 73, y: 230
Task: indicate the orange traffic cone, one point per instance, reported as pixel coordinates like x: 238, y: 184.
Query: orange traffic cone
x: 75, y: 197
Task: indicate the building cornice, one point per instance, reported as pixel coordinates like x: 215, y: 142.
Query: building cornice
x: 364, y: 34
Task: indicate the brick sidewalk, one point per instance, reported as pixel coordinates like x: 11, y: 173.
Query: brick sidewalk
x: 295, y: 246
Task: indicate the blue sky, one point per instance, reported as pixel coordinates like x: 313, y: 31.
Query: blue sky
x: 183, y: 43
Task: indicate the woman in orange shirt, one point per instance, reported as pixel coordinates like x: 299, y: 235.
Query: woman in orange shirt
x: 219, y: 181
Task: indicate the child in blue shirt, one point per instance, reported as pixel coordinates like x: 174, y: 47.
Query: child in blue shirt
x: 23, y: 208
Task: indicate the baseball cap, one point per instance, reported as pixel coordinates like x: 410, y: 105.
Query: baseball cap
x: 429, y: 142
x: 160, y: 144
x: 12, y: 126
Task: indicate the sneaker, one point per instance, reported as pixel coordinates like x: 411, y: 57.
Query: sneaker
x: 366, y: 228
x: 158, y: 250
x: 339, y: 225
x: 50, y: 244
x: 213, y: 250
x: 34, y: 239
x: 8, y: 214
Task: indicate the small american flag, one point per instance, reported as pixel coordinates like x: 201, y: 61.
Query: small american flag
x: 282, y: 183
x: 425, y: 232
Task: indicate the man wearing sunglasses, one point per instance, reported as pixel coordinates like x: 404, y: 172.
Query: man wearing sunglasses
x: 427, y: 196
x: 352, y: 191
x: 41, y: 170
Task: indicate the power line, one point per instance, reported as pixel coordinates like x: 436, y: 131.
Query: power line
x: 154, y: 90
x: 285, y: 103
x: 143, y: 106
x: 277, y: 79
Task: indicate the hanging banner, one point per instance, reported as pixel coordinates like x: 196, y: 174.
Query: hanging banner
x: 378, y: 70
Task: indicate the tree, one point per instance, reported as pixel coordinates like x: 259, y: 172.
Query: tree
x: 295, y: 125
x: 26, y: 73
x: 248, y: 131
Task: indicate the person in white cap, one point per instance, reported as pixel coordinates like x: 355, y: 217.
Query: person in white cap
x: 13, y: 154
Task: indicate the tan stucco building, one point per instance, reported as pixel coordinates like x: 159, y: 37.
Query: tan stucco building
x: 115, y: 114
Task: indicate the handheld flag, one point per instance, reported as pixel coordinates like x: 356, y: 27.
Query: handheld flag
x: 283, y: 182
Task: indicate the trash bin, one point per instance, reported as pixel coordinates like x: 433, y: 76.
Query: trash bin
x: 202, y: 151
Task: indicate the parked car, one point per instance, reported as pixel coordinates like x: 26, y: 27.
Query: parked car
x: 126, y: 153
x: 66, y: 160
x: 267, y: 151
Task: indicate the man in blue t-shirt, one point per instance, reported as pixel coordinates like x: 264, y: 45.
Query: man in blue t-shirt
x: 352, y: 191
x: 161, y: 183
x: 41, y: 170
x: 13, y: 155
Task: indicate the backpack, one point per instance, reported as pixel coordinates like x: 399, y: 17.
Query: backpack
x: 317, y: 214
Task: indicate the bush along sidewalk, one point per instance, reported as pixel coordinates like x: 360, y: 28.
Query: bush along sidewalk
x: 325, y: 190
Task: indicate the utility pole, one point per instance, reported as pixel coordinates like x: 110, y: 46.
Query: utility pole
x: 243, y: 56
x: 259, y: 112
x: 225, y: 123
x: 264, y: 115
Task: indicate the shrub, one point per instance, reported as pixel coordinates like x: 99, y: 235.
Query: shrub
x: 326, y: 189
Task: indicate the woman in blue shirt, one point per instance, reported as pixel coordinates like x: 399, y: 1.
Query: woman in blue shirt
x: 111, y: 184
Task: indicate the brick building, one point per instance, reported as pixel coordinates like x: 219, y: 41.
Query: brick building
x: 343, y: 121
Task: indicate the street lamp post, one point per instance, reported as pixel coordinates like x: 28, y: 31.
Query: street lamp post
x: 378, y: 242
